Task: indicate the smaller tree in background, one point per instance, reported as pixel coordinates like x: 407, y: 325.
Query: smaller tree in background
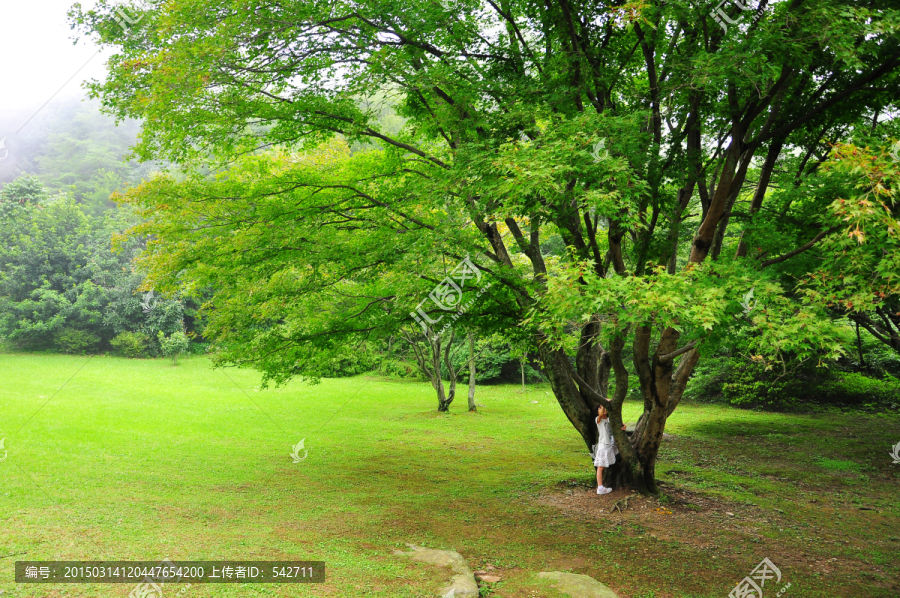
x: 174, y: 344
x: 428, y: 356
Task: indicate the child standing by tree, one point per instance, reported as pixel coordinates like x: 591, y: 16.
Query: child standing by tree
x: 605, y: 451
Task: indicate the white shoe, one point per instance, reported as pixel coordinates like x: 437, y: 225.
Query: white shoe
x: 603, y: 490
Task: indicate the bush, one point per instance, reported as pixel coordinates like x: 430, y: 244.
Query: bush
x: 174, y: 344
x: 196, y: 348
x: 70, y: 340
x: 396, y: 368
x: 852, y: 388
x: 748, y: 384
x: 752, y: 385
x: 131, y: 344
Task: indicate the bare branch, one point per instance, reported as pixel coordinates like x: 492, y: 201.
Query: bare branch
x: 801, y: 249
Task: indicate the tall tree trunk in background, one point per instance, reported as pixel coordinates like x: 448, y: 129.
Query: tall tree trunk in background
x: 522, y: 367
x: 452, y: 373
x: 472, y: 371
x: 862, y: 360
x: 389, y: 353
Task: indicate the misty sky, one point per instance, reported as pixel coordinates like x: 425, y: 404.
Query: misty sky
x: 37, y: 58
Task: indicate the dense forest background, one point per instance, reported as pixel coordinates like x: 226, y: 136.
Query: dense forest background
x: 68, y: 283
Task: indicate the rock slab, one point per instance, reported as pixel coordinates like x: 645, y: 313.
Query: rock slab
x: 462, y: 584
x: 578, y: 586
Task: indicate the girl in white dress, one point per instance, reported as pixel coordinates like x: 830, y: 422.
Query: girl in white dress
x: 605, y: 451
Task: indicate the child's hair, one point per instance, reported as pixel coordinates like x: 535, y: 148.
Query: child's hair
x: 605, y: 413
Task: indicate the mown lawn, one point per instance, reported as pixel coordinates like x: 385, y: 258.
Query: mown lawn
x: 139, y: 460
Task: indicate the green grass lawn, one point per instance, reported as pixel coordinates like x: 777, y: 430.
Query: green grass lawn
x: 114, y: 459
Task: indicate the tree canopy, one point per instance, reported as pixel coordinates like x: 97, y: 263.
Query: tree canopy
x: 621, y: 172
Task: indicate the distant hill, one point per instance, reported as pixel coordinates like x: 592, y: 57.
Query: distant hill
x: 70, y: 146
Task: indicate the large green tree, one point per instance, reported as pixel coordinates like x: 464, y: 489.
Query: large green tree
x: 664, y: 144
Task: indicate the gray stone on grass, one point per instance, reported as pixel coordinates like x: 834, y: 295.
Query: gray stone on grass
x: 629, y: 429
x: 578, y: 586
x: 462, y: 584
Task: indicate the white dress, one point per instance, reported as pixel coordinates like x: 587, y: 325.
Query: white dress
x: 605, y: 451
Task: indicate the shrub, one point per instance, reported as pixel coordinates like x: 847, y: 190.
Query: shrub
x: 196, y: 348
x: 396, y: 368
x: 739, y: 382
x: 131, y: 344
x: 71, y: 340
x: 852, y: 388
x: 752, y: 385
x: 174, y: 344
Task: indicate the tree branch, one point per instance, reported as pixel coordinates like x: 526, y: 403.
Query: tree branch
x: 801, y: 249
x: 670, y: 356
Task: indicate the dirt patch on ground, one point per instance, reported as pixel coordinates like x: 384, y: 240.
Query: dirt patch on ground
x: 724, y: 530
x: 685, y: 517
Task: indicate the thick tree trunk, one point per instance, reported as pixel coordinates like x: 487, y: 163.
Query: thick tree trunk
x: 583, y: 386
